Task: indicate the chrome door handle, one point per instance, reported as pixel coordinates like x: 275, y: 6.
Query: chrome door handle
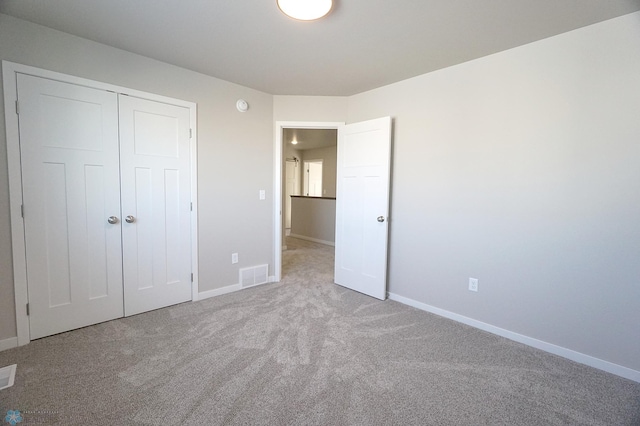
x: 380, y: 218
x: 130, y: 219
x: 112, y: 220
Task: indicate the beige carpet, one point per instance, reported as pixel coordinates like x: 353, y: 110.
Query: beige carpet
x: 303, y: 352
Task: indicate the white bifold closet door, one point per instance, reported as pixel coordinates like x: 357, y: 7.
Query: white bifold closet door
x: 156, y: 243
x: 71, y: 185
x: 85, y: 264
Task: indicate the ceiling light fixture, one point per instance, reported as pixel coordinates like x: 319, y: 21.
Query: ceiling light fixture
x: 305, y: 10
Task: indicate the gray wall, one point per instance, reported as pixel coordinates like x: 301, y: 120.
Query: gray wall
x: 310, y: 108
x: 522, y: 169
x: 235, y: 150
x: 313, y: 218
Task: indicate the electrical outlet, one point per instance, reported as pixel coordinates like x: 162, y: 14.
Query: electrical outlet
x: 473, y: 284
x: 234, y: 257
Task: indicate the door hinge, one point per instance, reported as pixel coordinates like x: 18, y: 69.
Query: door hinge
x: 192, y: 277
x: 27, y: 309
x: 190, y: 133
x: 17, y: 107
x: 22, y: 210
x: 191, y: 206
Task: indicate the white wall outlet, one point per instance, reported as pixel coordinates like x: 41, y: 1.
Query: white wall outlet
x: 473, y: 284
x: 263, y: 194
x: 234, y: 257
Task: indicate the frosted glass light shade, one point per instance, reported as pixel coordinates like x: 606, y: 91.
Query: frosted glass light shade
x: 305, y: 10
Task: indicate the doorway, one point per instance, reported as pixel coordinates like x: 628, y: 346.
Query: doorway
x: 310, y: 158
x: 361, y: 214
x: 285, y: 153
x: 292, y: 187
x: 313, y: 178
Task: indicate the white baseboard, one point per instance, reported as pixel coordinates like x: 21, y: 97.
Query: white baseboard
x: 600, y: 364
x: 219, y: 291
x: 315, y: 240
x: 11, y: 342
x: 272, y: 279
x: 230, y: 289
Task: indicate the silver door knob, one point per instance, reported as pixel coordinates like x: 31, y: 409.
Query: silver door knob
x: 380, y: 218
x: 112, y: 220
x: 130, y: 219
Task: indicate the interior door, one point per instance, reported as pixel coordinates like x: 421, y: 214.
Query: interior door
x: 291, y: 188
x: 362, y: 206
x: 313, y: 178
x: 156, y: 198
x: 71, y: 186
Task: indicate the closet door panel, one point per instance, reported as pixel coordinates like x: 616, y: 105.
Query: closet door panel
x: 71, y: 186
x: 155, y: 163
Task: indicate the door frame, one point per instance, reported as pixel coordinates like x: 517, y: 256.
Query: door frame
x: 18, y: 249
x: 278, y: 218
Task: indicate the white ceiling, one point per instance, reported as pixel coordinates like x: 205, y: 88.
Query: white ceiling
x: 360, y: 45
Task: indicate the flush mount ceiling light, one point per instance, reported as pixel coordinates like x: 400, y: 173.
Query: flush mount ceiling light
x: 305, y: 10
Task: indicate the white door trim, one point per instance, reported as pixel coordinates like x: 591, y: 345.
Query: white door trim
x: 9, y: 71
x: 277, y: 216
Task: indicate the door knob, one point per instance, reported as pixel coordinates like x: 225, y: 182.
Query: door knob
x: 112, y: 220
x: 130, y: 219
x: 380, y: 218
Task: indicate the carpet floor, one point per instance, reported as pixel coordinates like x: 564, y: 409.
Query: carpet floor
x: 303, y: 352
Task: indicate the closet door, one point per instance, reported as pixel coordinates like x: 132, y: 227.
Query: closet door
x: 71, y: 187
x: 155, y: 151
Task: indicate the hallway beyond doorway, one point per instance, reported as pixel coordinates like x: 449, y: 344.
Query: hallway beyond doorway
x: 306, y: 258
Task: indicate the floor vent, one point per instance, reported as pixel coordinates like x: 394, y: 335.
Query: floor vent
x: 7, y: 375
x: 254, y: 275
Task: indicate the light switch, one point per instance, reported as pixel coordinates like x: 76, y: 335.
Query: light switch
x: 263, y: 194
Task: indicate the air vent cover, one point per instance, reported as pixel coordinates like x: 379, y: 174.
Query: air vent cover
x: 7, y: 375
x: 254, y: 275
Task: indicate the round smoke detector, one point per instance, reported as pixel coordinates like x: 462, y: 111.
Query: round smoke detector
x: 242, y: 105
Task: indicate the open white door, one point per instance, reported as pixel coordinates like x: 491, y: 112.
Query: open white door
x: 362, y: 206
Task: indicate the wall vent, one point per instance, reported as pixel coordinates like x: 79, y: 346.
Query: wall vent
x: 254, y: 275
